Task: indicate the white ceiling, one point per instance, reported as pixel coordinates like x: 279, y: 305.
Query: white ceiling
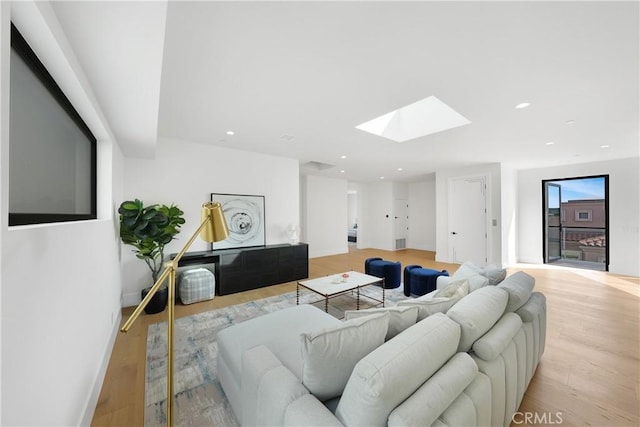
x: 294, y: 78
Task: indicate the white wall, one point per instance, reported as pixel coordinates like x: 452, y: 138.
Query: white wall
x: 422, y: 215
x: 325, y: 213
x: 60, y: 283
x: 624, y: 210
x: 509, y: 214
x: 186, y: 174
x: 492, y: 172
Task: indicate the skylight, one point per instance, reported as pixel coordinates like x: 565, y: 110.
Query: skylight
x: 424, y: 117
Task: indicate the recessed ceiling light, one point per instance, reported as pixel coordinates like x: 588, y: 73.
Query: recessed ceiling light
x: 230, y: 132
x: 604, y: 146
x: 569, y: 122
x: 550, y: 143
x: 400, y: 169
x: 424, y: 117
x: 341, y: 171
x: 522, y: 105
x: 343, y: 157
x: 382, y: 177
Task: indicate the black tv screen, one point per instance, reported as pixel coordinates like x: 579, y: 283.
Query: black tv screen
x: 52, y: 152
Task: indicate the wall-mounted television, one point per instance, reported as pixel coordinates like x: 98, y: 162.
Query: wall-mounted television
x: 52, y: 152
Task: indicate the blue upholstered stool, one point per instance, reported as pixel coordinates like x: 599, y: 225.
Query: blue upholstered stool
x: 390, y: 271
x: 419, y: 281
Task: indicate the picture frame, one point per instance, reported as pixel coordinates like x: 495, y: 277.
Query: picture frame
x: 245, y: 216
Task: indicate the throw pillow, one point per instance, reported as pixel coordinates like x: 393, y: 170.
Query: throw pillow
x: 465, y: 270
x: 400, y: 318
x: 456, y: 289
x: 427, y: 307
x: 329, y: 355
x: 473, y: 273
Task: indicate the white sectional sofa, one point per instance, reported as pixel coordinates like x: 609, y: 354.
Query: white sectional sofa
x: 468, y: 366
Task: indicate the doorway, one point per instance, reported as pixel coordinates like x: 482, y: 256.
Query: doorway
x: 576, y: 222
x: 352, y: 218
x: 468, y: 220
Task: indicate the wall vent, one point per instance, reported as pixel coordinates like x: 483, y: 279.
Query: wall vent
x: 401, y: 244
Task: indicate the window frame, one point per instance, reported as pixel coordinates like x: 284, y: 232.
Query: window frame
x: 21, y: 47
x: 578, y: 215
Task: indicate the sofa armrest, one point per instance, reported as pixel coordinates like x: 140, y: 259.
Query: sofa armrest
x: 442, y: 281
x: 309, y: 411
x: 268, y: 388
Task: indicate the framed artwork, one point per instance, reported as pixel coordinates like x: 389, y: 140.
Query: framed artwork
x: 245, y: 218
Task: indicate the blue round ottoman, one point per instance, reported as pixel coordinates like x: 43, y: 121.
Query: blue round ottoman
x: 389, y: 270
x: 419, y: 281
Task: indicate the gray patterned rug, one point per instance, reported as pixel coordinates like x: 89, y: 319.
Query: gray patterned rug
x: 199, y: 398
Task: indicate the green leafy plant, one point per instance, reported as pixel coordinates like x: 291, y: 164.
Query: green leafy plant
x: 149, y: 229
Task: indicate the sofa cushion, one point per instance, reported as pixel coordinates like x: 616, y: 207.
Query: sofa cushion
x: 400, y: 318
x: 433, y: 397
x: 392, y: 372
x: 268, y: 388
x: 494, y: 342
x: 477, y: 281
x: 279, y: 331
x: 533, y: 308
x: 329, y: 354
x: 519, y: 286
x: 479, y: 276
x: 494, y: 273
x: 309, y: 411
x: 477, y: 313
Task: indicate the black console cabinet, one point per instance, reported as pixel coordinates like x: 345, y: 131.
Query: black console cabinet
x: 242, y: 269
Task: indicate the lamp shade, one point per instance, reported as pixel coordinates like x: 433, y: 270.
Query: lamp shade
x: 216, y: 228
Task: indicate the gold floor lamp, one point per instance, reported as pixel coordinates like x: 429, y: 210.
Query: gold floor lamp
x: 213, y: 229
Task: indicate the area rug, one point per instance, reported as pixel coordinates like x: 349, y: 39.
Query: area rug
x: 199, y: 399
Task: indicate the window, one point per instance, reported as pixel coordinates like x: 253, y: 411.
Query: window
x: 52, y: 152
x: 583, y: 215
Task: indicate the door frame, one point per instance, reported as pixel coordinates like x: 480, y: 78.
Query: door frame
x: 487, y: 211
x: 545, y: 221
x: 606, y: 213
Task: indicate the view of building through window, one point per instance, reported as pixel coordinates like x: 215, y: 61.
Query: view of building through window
x: 576, y: 222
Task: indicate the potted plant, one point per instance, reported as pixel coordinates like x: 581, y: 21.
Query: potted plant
x: 148, y: 229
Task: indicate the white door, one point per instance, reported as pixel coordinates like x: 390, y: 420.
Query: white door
x: 468, y: 220
x: 400, y: 223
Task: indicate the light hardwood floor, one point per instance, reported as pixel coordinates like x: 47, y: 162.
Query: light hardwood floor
x: 589, y: 373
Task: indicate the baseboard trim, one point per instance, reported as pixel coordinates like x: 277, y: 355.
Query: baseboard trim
x: 92, y: 399
x: 329, y: 252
